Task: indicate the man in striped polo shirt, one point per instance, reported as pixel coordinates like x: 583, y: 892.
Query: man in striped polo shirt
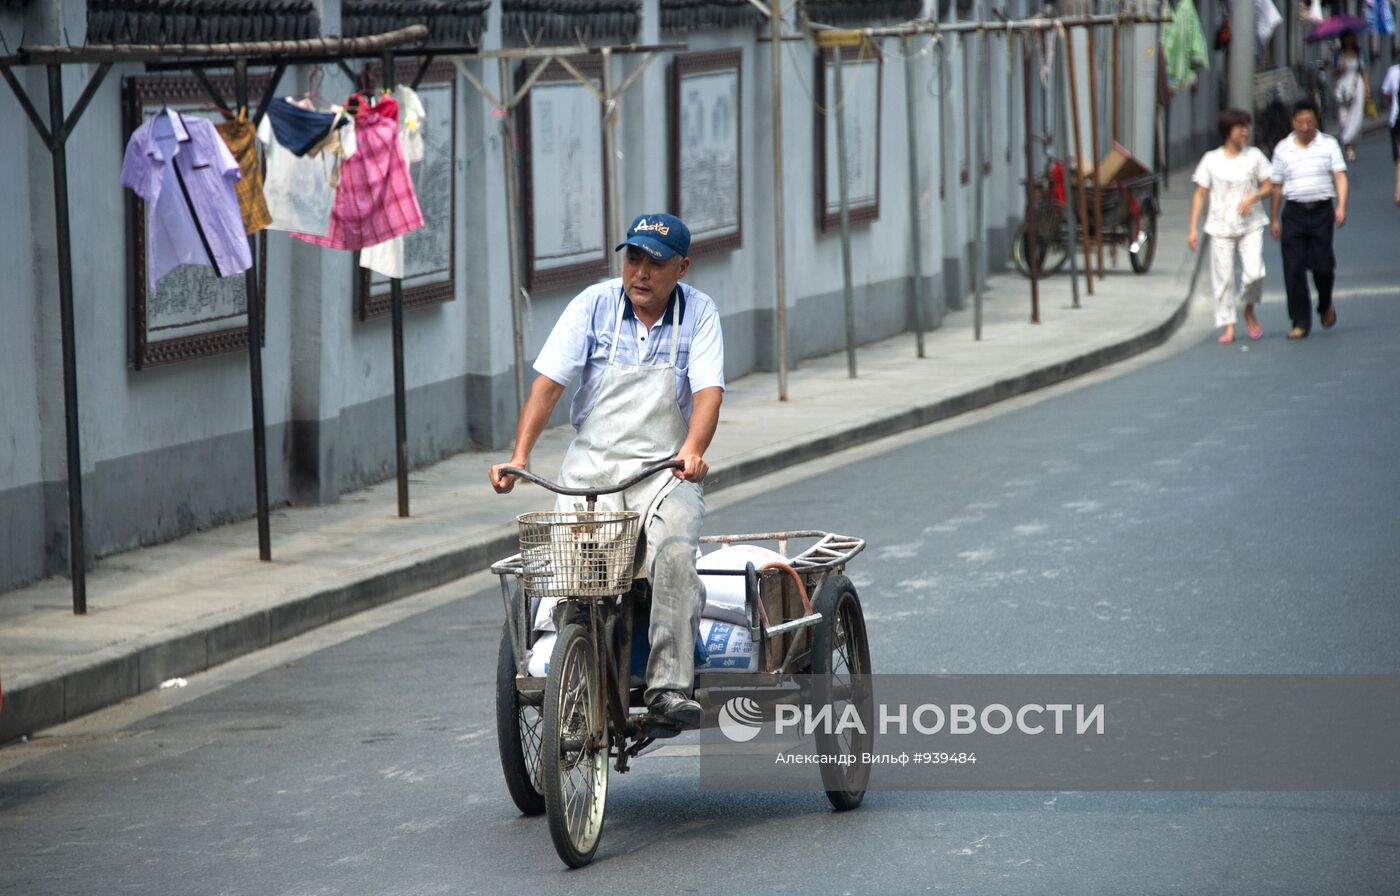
x: 1309, y: 168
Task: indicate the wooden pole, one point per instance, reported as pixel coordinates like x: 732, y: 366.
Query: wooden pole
x: 1032, y: 194
x: 1078, y: 175
x: 1117, y: 134
x: 1117, y: 100
x: 1094, y: 149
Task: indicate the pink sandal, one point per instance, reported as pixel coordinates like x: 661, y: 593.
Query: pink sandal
x: 1256, y: 330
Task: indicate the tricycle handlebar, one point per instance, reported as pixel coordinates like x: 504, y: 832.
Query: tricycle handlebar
x: 594, y: 492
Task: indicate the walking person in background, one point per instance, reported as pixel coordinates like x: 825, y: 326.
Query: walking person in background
x: 1235, y: 180
x: 1353, y: 86
x: 1312, y: 188
x: 1390, y: 89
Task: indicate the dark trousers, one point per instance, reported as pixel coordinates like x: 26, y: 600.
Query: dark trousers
x: 1306, y: 241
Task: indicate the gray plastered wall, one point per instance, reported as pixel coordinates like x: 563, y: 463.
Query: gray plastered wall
x: 168, y: 450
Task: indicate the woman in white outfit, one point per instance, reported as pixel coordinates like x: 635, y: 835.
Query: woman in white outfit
x: 1353, y: 85
x: 1235, y: 178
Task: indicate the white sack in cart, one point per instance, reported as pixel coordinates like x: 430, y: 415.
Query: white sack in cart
x: 540, y: 654
x: 724, y: 595
x: 544, y: 614
x: 729, y: 647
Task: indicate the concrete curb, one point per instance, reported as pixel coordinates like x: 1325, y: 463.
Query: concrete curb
x: 125, y: 670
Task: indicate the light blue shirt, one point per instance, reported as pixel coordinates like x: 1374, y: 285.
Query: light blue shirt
x: 579, y: 345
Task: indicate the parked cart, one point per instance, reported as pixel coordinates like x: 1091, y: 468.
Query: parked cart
x: 1129, y: 213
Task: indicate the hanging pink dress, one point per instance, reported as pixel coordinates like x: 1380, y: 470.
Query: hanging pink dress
x: 375, y: 200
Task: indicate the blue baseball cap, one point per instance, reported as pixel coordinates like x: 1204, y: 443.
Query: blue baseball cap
x: 661, y: 236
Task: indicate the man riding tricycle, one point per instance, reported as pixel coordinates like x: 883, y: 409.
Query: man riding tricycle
x: 608, y: 579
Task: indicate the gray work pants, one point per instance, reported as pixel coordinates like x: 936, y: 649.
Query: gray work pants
x: 677, y: 594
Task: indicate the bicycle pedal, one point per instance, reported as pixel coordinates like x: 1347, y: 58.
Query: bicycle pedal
x: 658, y: 727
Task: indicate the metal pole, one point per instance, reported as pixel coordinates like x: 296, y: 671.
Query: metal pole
x: 1161, y: 116
x: 838, y: 108
x: 77, y: 551
x: 396, y: 307
x: 1095, y: 149
x: 255, y: 330
x: 1078, y: 174
x: 513, y: 231
x: 611, y: 227
x: 1242, y: 55
x: 979, y: 244
x: 775, y: 20
x: 1010, y: 88
x: 916, y: 234
x: 1071, y: 219
x: 1032, y: 219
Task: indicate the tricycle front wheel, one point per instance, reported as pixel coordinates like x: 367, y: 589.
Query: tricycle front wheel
x: 575, y: 748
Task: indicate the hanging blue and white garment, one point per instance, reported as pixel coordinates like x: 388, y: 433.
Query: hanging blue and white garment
x: 1380, y: 16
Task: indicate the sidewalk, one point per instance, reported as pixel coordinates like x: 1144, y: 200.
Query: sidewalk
x: 178, y: 608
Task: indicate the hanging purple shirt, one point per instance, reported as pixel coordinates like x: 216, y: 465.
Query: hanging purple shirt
x: 186, y: 175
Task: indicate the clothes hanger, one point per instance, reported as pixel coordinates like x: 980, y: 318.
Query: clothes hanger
x: 313, y: 89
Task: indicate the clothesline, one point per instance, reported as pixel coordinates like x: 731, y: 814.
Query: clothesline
x: 55, y: 134
x: 184, y: 55
x: 334, y: 179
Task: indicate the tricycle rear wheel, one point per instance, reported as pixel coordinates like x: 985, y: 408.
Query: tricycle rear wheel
x: 841, y: 674
x: 575, y: 748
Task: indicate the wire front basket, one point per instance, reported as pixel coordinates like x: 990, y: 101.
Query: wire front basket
x: 578, y: 553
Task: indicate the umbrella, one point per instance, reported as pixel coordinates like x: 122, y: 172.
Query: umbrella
x: 1335, y: 26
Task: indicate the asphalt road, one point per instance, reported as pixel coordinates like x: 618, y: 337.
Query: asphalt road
x: 1204, y: 509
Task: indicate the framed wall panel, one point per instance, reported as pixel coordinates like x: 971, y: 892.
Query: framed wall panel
x: 192, y: 312
x: 563, y: 179
x: 707, y: 147
x: 430, y: 266
x: 862, y: 77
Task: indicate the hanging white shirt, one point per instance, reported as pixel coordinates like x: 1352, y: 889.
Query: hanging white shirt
x: 300, y: 190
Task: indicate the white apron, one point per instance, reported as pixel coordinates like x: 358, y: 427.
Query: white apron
x: 634, y: 422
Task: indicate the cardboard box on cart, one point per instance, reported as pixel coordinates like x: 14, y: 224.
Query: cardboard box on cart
x: 1119, y: 164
